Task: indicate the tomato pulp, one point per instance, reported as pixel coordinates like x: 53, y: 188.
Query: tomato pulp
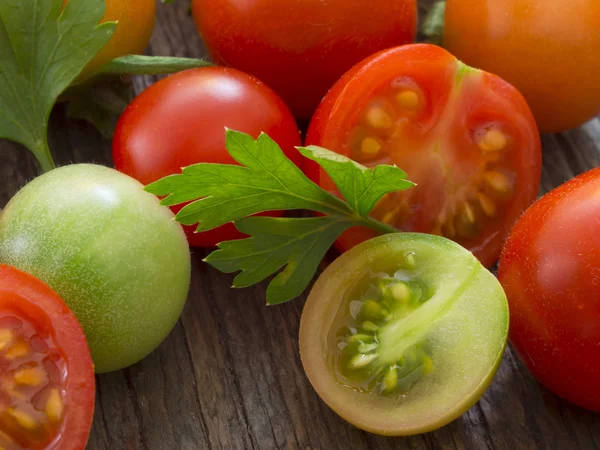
x: 181, y: 121
x: 46, y: 372
x: 466, y: 137
x: 301, y: 48
x: 550, y: 270
x: 548, y: 50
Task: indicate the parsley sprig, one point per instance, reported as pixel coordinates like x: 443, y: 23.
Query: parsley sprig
x: 266, y: 180
x: 43, y: 49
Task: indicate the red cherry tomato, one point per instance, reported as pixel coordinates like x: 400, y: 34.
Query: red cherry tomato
x: 181, y: 121
x: 301, y: 48
x: 466, y: 137
x: 550, y: 270
x: 46, y: 372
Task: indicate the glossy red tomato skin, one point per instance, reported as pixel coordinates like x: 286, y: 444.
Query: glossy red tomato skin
x: 301, y: 48
x: 181, y: 121
x: 42, y: 304
x: 366, y: 75
x: 550, y: 270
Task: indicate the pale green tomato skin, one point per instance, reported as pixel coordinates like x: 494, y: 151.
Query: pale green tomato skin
x: 465, y: 322
x: 115, y: 256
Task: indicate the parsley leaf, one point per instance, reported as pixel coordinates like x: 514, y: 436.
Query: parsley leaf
x: 289, y: 248
x: 360, y: 186
x: 150, y: 65
x: 298, y: 244
x: 268, y: 181
x: 42, y: 51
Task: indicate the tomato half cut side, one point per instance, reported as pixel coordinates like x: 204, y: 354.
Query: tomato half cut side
x: 403, y: 333
x: 466, y: 137
x: 46, y: 372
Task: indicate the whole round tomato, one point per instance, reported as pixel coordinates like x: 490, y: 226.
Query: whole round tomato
x: 548, y: 50
x: 403, y: 333
x: 301, y: 48
x: 46, y: 371
x: 466, y: 137
x: 114, y: 255
x: 550, y: 270
x: 181, y: 121
x: 134, y: 28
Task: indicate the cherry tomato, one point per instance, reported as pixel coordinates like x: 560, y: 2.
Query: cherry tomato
x: 550, y: 270
x: 46, y: 372
x: 113, y: 254
x: 403, y: 333
x: 134, y: 28
x: 181, y: 121
x: 301, y: 48
x: 466, y: 137
x: 548, y: 50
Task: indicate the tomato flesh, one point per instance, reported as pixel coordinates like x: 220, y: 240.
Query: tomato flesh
x: 403, y: 333
x: 464, y: 136
x: 550, y: 269
x: 46, y: 371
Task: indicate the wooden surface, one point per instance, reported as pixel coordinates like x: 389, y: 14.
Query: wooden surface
x: 229, y: 376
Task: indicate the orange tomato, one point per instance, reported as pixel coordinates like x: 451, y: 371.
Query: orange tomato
x: 135, y: 24
x: 549, y: 50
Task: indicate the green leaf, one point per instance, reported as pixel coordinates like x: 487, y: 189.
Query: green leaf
x: 289, y: 248
x: 100, y: 104
x: 150, y: 65
x: 268, y: 181
x: 361, y: 187
x: 296, y: 244
x: 41, y: 52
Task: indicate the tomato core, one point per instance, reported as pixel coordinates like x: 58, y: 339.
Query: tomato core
x: 369, y: 351
x: 32, y: 378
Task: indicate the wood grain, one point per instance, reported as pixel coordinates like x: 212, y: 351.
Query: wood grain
x: 229, y: 376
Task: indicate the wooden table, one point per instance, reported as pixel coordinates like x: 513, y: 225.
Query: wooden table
x: 229, y: 375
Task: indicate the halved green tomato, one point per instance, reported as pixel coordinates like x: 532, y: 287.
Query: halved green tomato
x: 466, y: 137
x: 403, y: 333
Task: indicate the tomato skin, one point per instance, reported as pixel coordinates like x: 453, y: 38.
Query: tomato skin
x: 67, y: 332
x: 134, y: 28
x: 301, y: 58
x: 342, y: 106
x: 548, y: 50
x: 550, y: 270
x: 115, y: 256
x: 181, y: 121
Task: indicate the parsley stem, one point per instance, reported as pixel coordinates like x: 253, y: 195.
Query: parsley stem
x: 42, y: 153
x: 378, y: 226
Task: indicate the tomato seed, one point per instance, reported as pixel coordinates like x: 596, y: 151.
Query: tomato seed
x: 378, y: 118
x: 54, y: 406
x: 492, y: 141
x: 408, y: 99
x: 370, y: 147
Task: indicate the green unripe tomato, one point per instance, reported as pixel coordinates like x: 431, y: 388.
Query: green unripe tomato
x: 115, y: 256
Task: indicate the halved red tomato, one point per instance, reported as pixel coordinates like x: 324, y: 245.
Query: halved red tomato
x: 466, y: 137
x: 46, y: 372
